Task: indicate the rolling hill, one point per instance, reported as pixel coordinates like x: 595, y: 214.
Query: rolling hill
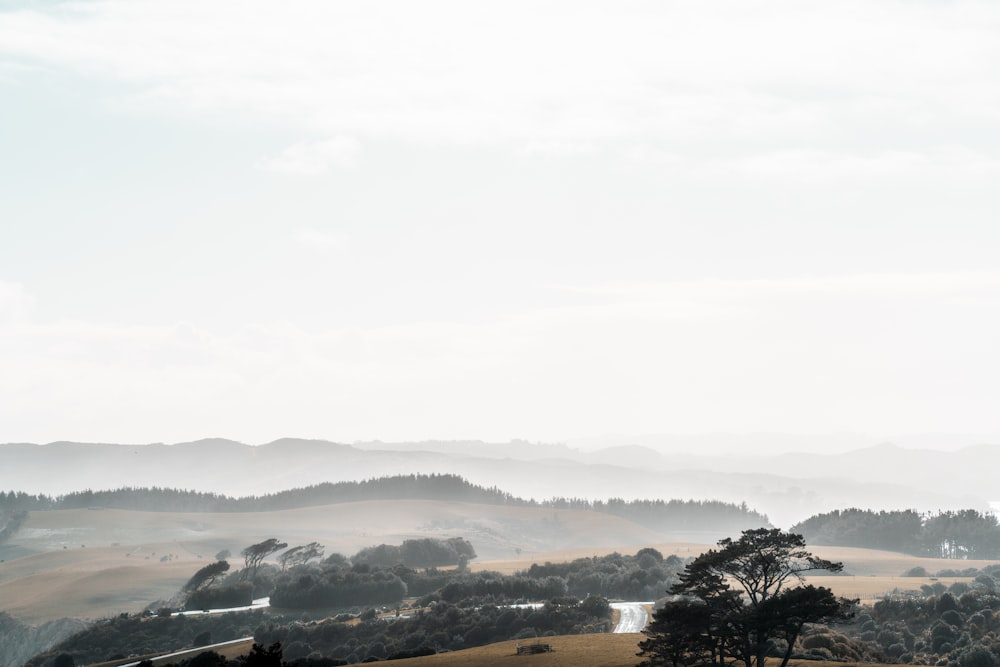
x: 788, y: 488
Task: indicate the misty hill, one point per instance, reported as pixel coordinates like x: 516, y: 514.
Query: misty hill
x: 966, y: 534
x: 662, y: 515
x: 788, y: 488
x: 89, y: 563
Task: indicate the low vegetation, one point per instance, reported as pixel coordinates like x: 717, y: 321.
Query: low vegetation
x: 442, y: 626
x: 141, y: 634
x: 327, y: 608
x: 745, y: 601
x: 423, y: 552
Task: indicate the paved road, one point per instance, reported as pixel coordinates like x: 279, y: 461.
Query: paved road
x: 632, y: 618
x: 259, y: 603
x: 191, y: 652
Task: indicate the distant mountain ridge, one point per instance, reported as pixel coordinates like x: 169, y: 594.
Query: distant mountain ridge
x: 788, y: 488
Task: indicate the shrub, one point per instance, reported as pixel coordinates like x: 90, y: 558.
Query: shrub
x: 985, y: 582
x: 207, y: 659
x: 819, y: 640
x: 221, y: 597
x: 953, y: 617
x: 887, y: 638
x: 945, y: 602
x: 977, y: 656
x: 895, y: 650
x: 942, y: 635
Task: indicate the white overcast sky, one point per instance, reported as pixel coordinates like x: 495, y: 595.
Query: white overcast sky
x: 542, y: 220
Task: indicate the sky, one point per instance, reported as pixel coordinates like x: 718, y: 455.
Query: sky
x: 542, y: 220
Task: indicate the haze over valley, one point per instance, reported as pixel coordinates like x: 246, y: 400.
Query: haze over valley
x: 446, y: 332
x: 787, y: 487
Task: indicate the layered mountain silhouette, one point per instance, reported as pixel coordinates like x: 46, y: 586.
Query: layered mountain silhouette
x: 788, y: 487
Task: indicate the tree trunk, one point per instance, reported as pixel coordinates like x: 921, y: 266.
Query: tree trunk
x: 791, y: 645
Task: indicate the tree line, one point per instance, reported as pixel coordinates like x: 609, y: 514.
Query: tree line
x: 656, y: 514
x: 419, y: 552
x: 156, y: 499
x: 963, y: 534
x: 337, y: 583
x: 440, y: 626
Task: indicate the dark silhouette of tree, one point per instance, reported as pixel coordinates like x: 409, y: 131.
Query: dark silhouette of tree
x: 761, y: 561
x: 740, y: 621
x: 419, y: 552
x: 207, y: 659
x: 255, y: 554
x: 221, y: 597
x: 783, y: 615
x: 677, y: 636
x: 263, y: 657
x: 301, y: 555
x: 206, y: 575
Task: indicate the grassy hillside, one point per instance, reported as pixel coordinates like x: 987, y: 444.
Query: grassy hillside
x: 869, y: 574
x: 568, y: 651
x: 95, y: 563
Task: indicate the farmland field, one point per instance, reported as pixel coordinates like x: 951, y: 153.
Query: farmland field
x: 97, y: 563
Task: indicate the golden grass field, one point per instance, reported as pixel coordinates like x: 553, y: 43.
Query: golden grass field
x: 607, y: 650
x: 229, y: 652
x: 869, y: 574
x: 567, y: 651
x: 99, y: 563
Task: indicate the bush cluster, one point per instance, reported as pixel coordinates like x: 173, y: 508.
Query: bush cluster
x: 946, y: 629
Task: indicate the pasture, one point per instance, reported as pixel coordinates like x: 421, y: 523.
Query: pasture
x: 98, y: 563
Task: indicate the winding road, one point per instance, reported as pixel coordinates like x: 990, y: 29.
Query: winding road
x: 259, y: 603
x: 188, y: 653
x: 632, y: 616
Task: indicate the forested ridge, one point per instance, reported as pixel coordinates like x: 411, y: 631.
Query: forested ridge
x: 656, y: 514
x: 158, y: 499
x: 965, y: 534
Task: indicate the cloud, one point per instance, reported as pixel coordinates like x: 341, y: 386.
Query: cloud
x: 320, y: 241
x: 312, y: 158
x: 875, y: 353
x: 15, y: 302
x: 710, y: 81
x: 12, y: 72
x: 874, y: 285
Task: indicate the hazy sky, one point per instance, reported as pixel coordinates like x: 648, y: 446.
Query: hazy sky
x: 358, y: 220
